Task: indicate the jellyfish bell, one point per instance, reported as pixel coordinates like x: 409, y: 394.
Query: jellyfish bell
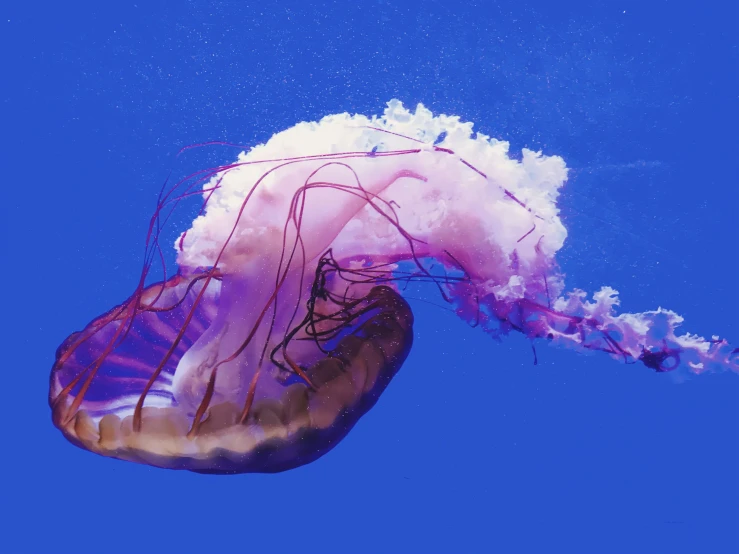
x: 286, y: 319
x: 273, y: 423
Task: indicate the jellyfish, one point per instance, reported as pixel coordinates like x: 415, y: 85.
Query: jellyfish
x: 287, y: 317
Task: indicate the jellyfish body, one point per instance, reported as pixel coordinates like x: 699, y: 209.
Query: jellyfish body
x: 285, y: 321
x: 293, y: 421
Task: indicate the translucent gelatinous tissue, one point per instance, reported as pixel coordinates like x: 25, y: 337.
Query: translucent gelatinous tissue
x: 286, y: 320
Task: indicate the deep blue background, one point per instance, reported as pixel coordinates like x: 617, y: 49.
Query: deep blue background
x: 472, y: 448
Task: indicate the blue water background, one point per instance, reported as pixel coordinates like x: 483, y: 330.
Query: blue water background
x: 472, y: 448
